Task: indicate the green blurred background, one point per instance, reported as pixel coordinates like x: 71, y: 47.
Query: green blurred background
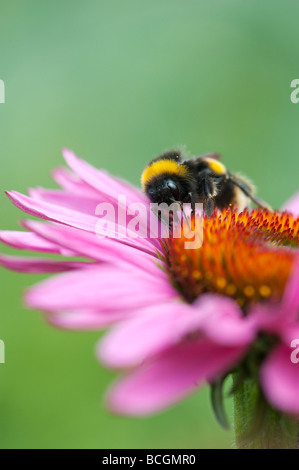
x: 118, y: 82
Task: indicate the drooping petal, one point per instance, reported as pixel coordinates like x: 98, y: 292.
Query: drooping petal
x: 223, y: 322
x: 151, y: 332
x: 39, y: 265
x: 145, y: 335
x: 280, y: 380
x: 172, y: 376
x: 106, y: 288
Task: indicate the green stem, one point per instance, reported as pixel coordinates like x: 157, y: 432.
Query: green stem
x: 257, y: 425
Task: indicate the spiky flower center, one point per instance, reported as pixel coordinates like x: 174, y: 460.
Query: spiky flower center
x: 247, y: 256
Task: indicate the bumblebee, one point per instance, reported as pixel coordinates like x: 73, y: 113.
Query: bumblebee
x: 203, y: 179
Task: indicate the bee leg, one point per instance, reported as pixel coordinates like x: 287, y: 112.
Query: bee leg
x: 192, y: 201
x: 207, y: 191
x: 209, y: 206
x: 162, y: 219
x: 262, y: 204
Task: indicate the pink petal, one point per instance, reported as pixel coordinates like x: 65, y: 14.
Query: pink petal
x: 102, y: 181
x: 88, y: 205
x: 71, y: 218
x: 151, y: 331
x: 67, y: 200
x: 280, y: 318
x: 90, y: 246
x: 145, y: 335
x: 108, y: 190
x: 38, y: 265
x: 87, y: 320
x: 290, y: 332
x: 72, y: 183
x: 268, y: 317
x: 170, y: 377
x: 223, y: 321
x: 280, y: 380
x: 292, y: 205
x: 28, y: 241
x: 106, y: 288
x: 290, y: 302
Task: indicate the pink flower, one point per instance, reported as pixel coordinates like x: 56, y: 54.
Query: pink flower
x: 177, y: 328
x: 119, y: 276
x: 172, y: 367
x: 178, y: 348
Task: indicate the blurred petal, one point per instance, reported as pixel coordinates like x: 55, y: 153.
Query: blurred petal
x: 84, y: 320
x: 151, y: 331
x: 290, y: 302
x: 280, y: 318
x: 93, y: 247
x: 223, y: 321
x: 100, y: 180
x: 67, y: 200
x: 290, y: 332
x: 280, y: 380
x: 109, y: 188
x: 172, y: 376
x: 28, y: 241
x: 38, y: 265
x: 72, y: 218
x: 267, y: 317
x: 144, y: 335
x: 69, y: 181
x: 105, y: 288
x: 292, y: 205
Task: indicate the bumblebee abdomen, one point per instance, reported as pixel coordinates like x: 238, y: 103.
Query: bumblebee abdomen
x: 215, y: 166
x: 226, y: 195
x: 230, y: 195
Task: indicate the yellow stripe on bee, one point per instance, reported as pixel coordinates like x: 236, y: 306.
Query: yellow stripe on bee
x: 163, y: 166
x: 215, y: 166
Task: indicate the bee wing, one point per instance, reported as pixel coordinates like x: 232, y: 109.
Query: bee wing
x: 198, y: 159
x: 216, y: 156
x: 249, y: 191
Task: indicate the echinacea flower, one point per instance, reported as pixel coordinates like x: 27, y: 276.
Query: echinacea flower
x: 229, y: 306
x: 241, y: 286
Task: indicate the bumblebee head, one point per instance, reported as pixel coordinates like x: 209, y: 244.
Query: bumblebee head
x: 165, y: 179
x: 166, y: 189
